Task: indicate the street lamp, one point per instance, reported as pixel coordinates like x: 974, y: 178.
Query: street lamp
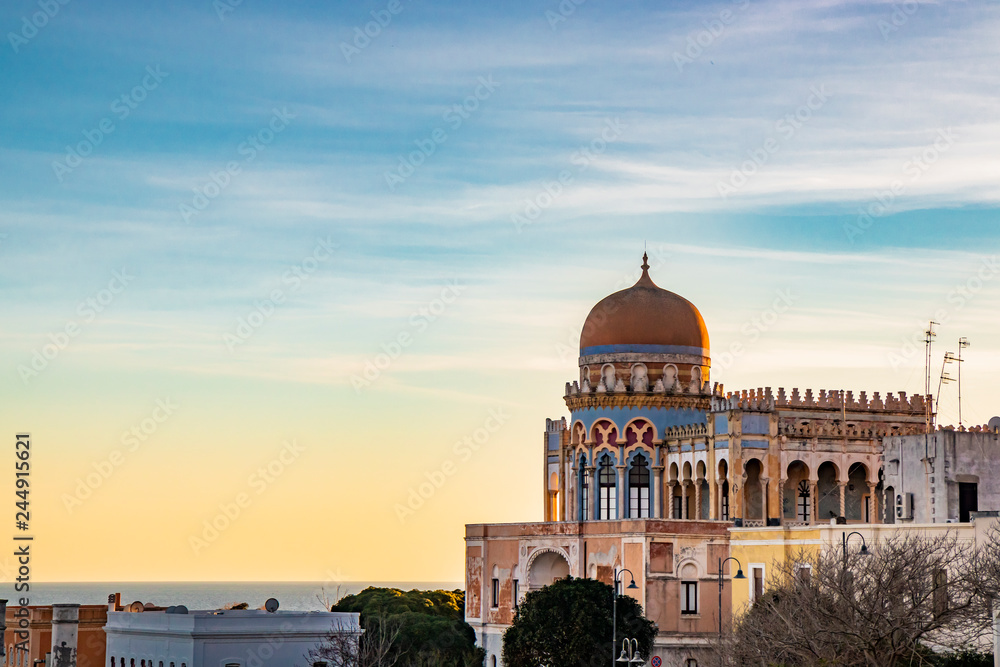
x: 739, y: 575
x: 630, y: 653
x: 864, y: 547
x: 614, y: 609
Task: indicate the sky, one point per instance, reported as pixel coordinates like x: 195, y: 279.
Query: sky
x: 289, y: 289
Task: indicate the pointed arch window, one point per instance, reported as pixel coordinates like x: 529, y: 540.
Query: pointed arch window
x: 584, y: 490
x: 608, y: 501
x: 638, y: 489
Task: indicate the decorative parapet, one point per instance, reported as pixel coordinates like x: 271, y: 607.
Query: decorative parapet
x: 688, y: 431
x: 677, y: 389
x: 985, y: 428
x: 762, y: 399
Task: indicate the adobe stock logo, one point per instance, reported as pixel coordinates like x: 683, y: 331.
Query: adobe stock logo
x: 464, y: 449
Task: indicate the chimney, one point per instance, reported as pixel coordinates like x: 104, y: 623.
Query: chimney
x: 65, y: 631
x: 115, y: 602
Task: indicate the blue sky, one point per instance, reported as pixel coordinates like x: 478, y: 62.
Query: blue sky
x: 618, y: 123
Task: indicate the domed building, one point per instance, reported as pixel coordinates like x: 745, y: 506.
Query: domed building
x: 656, y: 465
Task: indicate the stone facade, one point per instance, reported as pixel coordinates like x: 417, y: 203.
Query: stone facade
x: 506, y: 561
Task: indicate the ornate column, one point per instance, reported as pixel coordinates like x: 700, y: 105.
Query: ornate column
x: 873, y: 500
x: 764, y: 485
x: 843, y: 498
x: 655, y: 506
x: 672, y: 486
x: 814, y: 496
x: 781, y: 499
x: 714, y: 506
x: 697, y: 498
x: 685, y: 507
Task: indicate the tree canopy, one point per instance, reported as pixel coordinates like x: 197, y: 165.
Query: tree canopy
x: 428, y: 627
x: 568, y: 624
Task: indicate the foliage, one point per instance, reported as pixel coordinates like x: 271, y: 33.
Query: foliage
x: 568, y: 624
x: 427, y: 627
x: 964, y: 659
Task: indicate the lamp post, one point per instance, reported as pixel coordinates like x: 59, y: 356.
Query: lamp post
x: 846, y: 537
x: 630, y: 653
x: 614, y: 609
x: 739, y: 575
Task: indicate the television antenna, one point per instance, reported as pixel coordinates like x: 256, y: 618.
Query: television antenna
x: 963, y: 343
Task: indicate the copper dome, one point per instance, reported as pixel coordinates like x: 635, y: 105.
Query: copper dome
x: 644, y: 318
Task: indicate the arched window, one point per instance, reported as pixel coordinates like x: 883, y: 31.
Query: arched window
x: 638, y: 489
x: 584, y: 490
x: 608, y: 503
x: 725, y: 501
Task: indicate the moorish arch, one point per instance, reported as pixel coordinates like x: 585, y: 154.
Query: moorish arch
x: 827, y: 492
x: 545, y: 566
x: 753, y: 492
x: 796, y: 495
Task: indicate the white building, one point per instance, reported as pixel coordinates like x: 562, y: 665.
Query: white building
x: 221, y: 638
x: 944, y: 476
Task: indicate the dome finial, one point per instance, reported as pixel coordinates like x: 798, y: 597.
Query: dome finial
x: 644, y: 279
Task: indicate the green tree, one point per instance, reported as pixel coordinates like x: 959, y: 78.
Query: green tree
x: 428, y: 627
x: 568, y: 624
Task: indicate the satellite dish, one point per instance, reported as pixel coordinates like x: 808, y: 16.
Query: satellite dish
x: 994, y: 424
x: 271, y: 605
x: 180, y: 609
x: 136, y: 607
x: 171, y: 610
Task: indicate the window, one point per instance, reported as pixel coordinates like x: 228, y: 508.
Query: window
x: 608, y: 508
x: 677, y: 507
x: 638, y: 489
x: 803, y: 574
x: 496, y: 593
x: 756, y: 582
x: 514, y: 594
x: 689, y: 597
x: 584, y: 490
x: 319, y: 664
x: 691, y: 662
x: 968, y: 500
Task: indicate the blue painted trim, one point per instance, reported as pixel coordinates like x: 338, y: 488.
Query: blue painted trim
x: 661, y: 418
x: 755, y: 444
x: 648, y: 349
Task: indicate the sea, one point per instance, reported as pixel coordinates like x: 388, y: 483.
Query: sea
x: 291, y: 595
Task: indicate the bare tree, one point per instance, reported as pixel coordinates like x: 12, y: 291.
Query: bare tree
x: 347, y: 646
x: 327, y: 602
x: 909, y: 597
